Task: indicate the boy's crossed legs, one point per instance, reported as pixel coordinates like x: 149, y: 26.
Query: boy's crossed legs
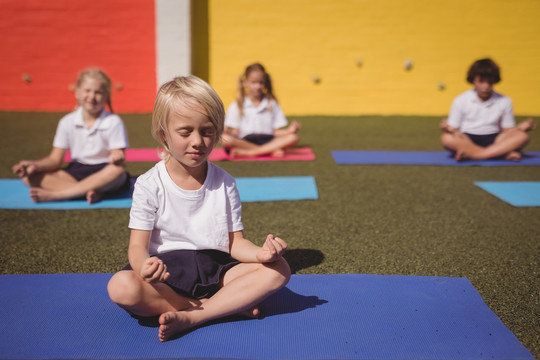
x: 244, y: 286
x: 507, y: 144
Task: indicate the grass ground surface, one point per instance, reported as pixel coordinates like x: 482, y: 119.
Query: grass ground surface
x: 406, y: 220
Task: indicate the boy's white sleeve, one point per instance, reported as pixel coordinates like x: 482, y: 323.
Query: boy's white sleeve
x: 508, y: 120
x: 278, y: 118
x: 234, y: 208
x: 455, y: 117
x: 232, y: 117
x: 144, y: 206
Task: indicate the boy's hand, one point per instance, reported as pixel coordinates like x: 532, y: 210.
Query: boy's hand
x: 272, y: 249
x: 443, y: 125
x: 24, y: 168
x: 446, y: 128
x: 154, y: 270
x: 527, y: 125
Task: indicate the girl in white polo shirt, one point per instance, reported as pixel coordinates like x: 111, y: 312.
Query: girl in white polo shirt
x: 481, y: 122
x: 255, y: 124
x: 96, y: 139
x: 189, y: 262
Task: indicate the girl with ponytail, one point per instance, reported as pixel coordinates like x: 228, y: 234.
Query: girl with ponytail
x: 254, y: 123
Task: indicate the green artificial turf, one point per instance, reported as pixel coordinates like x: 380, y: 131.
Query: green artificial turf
x: 408, y: 220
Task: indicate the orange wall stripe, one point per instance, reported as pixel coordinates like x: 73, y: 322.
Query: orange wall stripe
x: 46, y: 43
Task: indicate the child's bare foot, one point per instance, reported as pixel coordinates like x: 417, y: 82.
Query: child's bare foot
x: 252, y: 313
x: 42, y: 195
x: 526, y: 125
x: 235, y: 152
x: 278, y: 153
x: 172, y: 323
x: 466, y: 152
x: 93, y: 196
x: 460, y: 155
x: 513, y: 155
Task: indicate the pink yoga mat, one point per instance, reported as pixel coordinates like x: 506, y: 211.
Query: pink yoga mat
x: 295, y: 154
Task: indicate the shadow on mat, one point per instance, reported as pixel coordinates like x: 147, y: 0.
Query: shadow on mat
x: 284, y: 301
x: 126, y: 192
x: 299, y: 259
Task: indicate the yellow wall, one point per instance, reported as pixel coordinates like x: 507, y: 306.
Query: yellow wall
x: 298, y: 40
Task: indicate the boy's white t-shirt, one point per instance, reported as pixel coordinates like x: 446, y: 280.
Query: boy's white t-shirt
x: 471, y: 115
x: 261, y: 119
x: 186, y: 219
x: 90, y: 146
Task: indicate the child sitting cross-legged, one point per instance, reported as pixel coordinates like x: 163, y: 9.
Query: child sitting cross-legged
x: 96, y: 138
x: 481, y: 122
x: 189, y: 261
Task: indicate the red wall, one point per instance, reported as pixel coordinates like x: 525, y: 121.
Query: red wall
x: 52, y: 40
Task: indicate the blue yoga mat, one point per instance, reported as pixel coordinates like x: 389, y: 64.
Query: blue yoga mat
x: 348, y: 316
x: 439, y: 158
x: 14, y: 194
x: 516, y: 193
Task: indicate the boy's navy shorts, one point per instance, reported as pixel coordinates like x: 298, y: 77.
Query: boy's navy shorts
x: 483, y: 140
x: 80, y: 171
x: 195, y: 273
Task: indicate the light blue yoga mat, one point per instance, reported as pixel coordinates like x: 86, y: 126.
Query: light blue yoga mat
x: 436, y: 158
x: 347, y: 316
x: 516, y: 193
x: 277, y: 188
x: 15, y: 195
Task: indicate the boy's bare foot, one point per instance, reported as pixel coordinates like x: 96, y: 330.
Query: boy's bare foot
x: 467, y: 152
x: 172, y: 323
x: 93, y: 196
x: 250, y: 313
x: 460, y: 155
x: 513, y: 155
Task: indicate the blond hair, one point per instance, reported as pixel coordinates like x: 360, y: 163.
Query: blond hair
x: 241, y: 93
x: 99, y: 75
x: 185, y: 90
